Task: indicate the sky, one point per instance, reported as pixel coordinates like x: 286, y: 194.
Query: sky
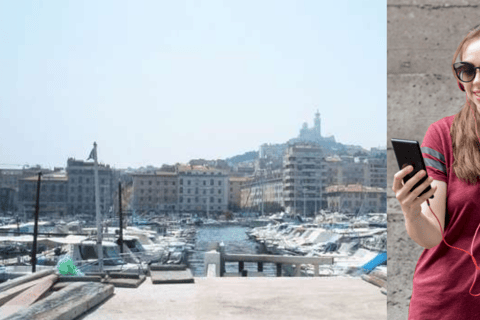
x: 161, y: 82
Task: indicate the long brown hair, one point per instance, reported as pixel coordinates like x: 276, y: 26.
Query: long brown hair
x: 465, y: 143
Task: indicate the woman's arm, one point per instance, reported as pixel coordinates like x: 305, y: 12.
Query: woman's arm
x: 423, y: 228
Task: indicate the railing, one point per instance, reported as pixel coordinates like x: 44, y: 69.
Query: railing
x: 220, y: 258
x: 277, y: 260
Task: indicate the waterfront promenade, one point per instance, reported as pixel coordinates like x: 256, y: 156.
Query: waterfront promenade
x: 247, y: 298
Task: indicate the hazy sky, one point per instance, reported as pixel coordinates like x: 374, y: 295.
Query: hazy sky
x: 156, y: 82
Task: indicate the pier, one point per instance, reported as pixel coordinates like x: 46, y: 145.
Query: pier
x: 247, y: 298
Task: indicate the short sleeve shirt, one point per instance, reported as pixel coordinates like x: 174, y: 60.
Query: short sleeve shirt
x: 443, y: 276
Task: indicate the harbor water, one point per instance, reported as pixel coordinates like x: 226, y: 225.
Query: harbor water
x: 235, y: 240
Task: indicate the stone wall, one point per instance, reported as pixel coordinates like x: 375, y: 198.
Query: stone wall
x: 422, y: 36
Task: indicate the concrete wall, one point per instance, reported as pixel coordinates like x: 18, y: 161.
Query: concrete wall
x: 422, y: 36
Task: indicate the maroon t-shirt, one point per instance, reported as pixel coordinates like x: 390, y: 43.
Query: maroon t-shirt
x: 443, y: 275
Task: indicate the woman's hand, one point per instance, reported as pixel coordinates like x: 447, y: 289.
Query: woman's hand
x: 410, y: 201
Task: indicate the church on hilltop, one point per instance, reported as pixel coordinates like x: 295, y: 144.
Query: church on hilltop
x: 314, y: 134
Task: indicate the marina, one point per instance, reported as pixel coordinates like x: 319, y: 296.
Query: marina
x: 199, y: 263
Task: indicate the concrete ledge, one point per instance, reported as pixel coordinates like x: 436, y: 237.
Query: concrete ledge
x: 277, y: 259
x: 68, y: 303
x: 212, y: 271
x: 126, y: 282
x: 374, y: 280
x: 167, y: 267
x: 163, y: 277
x: 29, y: 277
x: 213, y: 257
x: 118, y: 275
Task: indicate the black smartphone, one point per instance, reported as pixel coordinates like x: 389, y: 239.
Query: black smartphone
x: 408, y: 153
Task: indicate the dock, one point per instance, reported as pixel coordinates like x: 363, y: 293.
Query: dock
x: 247, y: 298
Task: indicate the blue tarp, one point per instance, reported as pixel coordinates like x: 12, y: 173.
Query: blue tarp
x: 378, y: 260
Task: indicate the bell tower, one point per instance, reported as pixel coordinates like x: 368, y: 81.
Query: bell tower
x: 317, y: 124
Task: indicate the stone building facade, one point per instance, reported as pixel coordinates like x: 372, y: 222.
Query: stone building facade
x: 356, y: 199
x: 235, y: 192
x: 202, y: 190
x: 53, y: 195
x: 302, y: 178
x: 263, y: 192
x: 81, y: 187
x: 155, y: 192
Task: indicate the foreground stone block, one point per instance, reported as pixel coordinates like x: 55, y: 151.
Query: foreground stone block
x: 23, y: 279
x: 180, y: 276
x: 68, y: 303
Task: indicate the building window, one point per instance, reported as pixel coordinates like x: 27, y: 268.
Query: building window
x: 219, y: 182
x: 188, y: 182
x: 211, y: 191
x: 141, y: 183
x: 219, y: 200
x: 181, y: 182
x: 173, y: 183
x: 188, y: 191
x: 149, y: 183
x: 211, y: 182
x: 181, y: 189
x: 211, y: 200
x: 188, y: 200
x: 219, y: 191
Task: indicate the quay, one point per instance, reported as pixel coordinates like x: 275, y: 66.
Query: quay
x: 259, y: 298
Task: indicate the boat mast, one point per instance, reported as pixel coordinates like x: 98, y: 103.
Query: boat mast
x: 97, y: 208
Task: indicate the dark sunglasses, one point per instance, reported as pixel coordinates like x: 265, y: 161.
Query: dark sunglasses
x: 465, y: 71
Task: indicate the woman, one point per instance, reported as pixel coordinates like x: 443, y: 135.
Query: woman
x: 445, y: 284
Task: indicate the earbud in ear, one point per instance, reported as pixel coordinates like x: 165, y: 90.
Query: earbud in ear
x: 461, y: 86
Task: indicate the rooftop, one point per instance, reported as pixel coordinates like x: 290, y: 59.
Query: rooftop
x: 353, y: 188
x: 54, y: 176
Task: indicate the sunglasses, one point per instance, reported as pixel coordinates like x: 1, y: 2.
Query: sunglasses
x: 465, y: 71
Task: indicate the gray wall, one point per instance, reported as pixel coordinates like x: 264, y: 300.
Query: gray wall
x: 422, y: 36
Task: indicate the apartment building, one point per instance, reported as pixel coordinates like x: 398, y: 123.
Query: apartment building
x: 302, y: 178
x: 202, y: 189
x: 235, y: 192
x: 81, y: 187
x: 155, y: 192
x: 356, y: 198
x: 53, y: 195
x: 263, y: 191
